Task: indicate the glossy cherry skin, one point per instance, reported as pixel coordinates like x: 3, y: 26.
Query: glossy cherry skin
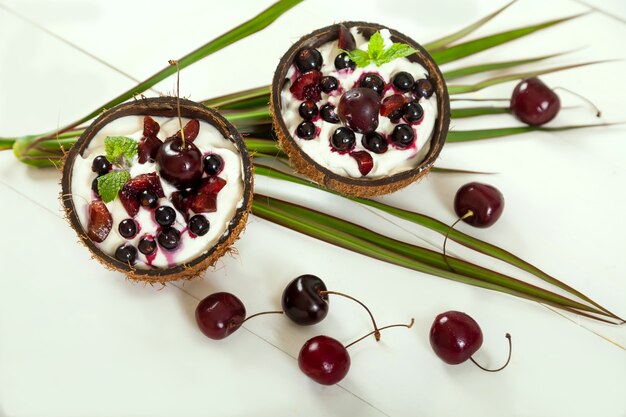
x: 220, y: 314
x: 455, y: 336
x: 180, y: 165
x: 302, y: 301
x: 358, y: 109
x: 534, y: 103
x: 484, y: 200
x: 324, y: 360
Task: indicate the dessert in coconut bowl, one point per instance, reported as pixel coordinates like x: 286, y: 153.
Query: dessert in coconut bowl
x: 360, y: 108
x: 158, y: 188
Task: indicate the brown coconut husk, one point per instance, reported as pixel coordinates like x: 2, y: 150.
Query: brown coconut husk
x: 167, y: 107
x: 360, y: 187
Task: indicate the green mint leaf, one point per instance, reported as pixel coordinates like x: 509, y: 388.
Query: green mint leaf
x: 120, y: 150
x: 359, y: 57
x: 375, y: 46
x: 397, y: 50
x: 110, y: 184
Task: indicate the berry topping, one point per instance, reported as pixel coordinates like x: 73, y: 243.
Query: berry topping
x: 181, y: 164
x: 374, y: 82
x: 213, y: 164
x: 94, y: 186
x: 169, y: 238
x: 199, y: 225
x: 150, y: 127
x: 329, y: 84
x: 219, y: 315
x: 307, y: 86
x: 308, y: 110
x: 403, y: 81
x: 100, y: 165
x: 328, y: 113
x: 182, y: 201
x: 346, y: 40
x: 127, y: 228
x: 402, y: 135
x: 484, y: 201
x: 374, y: 142
x: 205, y: 199
x: 358, y: 109
x: 533, y: 102
x: 165, y: 215
x: 324, y: 360
x: 144, y: 182
x: 148, y: 148
x: 100, y: 221
x: 302, y: 301
x: 306, y: 130
x: 392, y: 104
x: 148, y: 199
x: 126, y: 253
x: 343, y: 61
x: 129, y: 201
x: 424, y: 88
x: 413, y: 112
x: 191, y: 130
x: 147, y: 245
x: 343, y: 139
x: 364, y: 161
x: 308, y: 59
x: 455, y: 336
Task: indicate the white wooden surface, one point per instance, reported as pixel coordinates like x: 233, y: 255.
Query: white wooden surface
x: 77, y: 340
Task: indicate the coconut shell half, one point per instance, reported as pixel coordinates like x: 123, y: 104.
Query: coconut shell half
x: 361, y: 187
x: 166, y: 107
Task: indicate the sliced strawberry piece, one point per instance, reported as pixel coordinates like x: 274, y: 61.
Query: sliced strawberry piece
x: 148, y: 148
x: 150, y: 127
x: 346, y: 40
x: 144, y: 182
x: 392, y: 103
x: 100, y: 221
x: 307, y: 86
x: 130, y: 202
x: 205, y: 200
x: 364, y: 161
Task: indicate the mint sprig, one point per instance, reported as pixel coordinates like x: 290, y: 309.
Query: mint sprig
x: 110, y: 184
x: 120, y: 150
x: 377, y: 53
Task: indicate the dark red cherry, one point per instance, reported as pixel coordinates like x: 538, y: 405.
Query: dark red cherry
x: 220, y: 314
x: 358, y: 109
x: 391, y: 104
x: 346, y: 40
x: 324, y: 360
x: 364, y: 161
x: 180, y: 164
x: 485, y: 202
x: 302, y: 301
x: 307, y: 86
x: 534, y: 103
x: 455, y: 336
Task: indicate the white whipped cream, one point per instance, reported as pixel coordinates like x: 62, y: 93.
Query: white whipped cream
x: 394, y: 160
x: 209, y: 140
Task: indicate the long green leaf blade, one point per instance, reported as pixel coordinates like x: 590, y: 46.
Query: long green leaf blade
x: 480, y: 134
x: 477, y: 111
x: 478, y: 45
x: 462, y: 89
x: 477, y: 69
x: 446, y: 40
x: 240, y: 99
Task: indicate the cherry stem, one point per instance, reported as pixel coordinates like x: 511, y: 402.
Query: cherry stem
x: 598, y: 111
x: 376, y: 331
x: 180, y: 120
x: 261, y: 314
x: 469, y: 213
x: 408, y: 326
x: 508, y: 336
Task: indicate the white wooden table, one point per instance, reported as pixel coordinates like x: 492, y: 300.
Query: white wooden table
x: 78, y: 340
